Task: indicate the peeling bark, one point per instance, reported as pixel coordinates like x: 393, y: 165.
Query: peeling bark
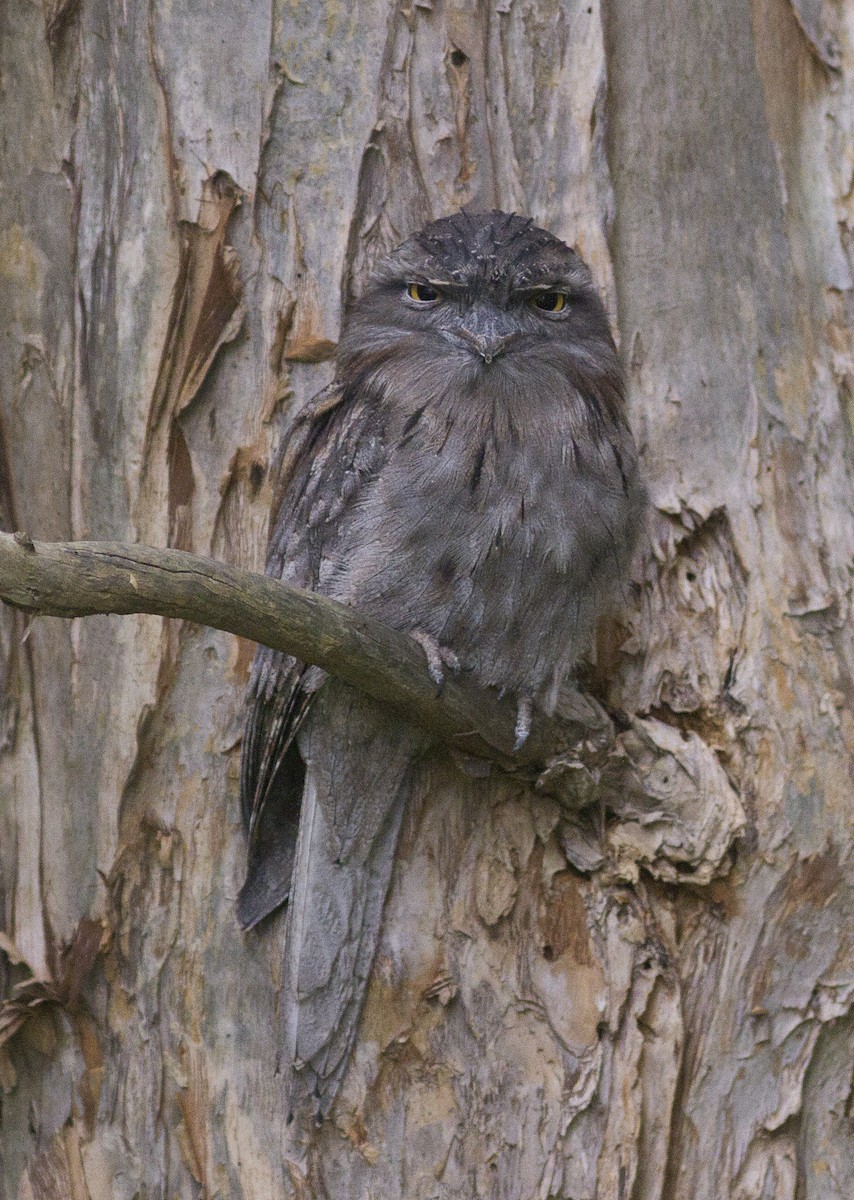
x: 564, y: 1005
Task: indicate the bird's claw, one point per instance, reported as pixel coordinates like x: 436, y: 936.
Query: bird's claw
x: 524, y: 712
x: 438, y: 657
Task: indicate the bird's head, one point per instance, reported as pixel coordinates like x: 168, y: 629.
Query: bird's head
x: 483, y: 296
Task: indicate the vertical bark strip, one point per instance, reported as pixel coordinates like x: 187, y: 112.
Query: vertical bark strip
x: 573, y: 1009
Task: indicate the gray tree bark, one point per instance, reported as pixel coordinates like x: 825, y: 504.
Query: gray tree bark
x: 651, y: 1005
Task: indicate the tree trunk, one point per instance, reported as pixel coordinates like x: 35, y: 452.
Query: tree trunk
x: 560, y: 1008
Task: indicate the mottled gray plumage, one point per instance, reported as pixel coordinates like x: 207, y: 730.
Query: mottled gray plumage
x: 469, y: 475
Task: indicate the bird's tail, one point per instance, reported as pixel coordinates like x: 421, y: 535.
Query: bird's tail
x: 357, y: 760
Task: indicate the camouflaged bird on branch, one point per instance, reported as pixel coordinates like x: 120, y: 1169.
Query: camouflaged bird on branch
x: 470, y: 478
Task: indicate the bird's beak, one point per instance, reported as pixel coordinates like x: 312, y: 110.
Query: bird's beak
x: 488, y: 331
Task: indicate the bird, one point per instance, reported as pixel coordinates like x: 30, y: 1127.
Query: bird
x: 469, y: 477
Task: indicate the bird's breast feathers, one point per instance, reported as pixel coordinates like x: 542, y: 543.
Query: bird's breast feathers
x: 484, y: 527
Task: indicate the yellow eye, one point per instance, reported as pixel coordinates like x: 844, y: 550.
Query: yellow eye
x: 421, y: 293
x: 550, y: 302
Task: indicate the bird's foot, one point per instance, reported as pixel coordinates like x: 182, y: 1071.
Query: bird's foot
x: 438, y: 656
x: 524, y: 712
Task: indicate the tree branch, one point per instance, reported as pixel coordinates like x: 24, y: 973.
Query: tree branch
x: 677, y: 813
x: 78, y: 579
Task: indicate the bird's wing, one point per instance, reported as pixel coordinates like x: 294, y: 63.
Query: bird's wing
x: 331, y: 452
x: 358, y: 759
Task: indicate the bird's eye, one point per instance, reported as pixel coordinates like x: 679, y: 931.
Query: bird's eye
x: 421, y: 293
x: 550, y: 302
